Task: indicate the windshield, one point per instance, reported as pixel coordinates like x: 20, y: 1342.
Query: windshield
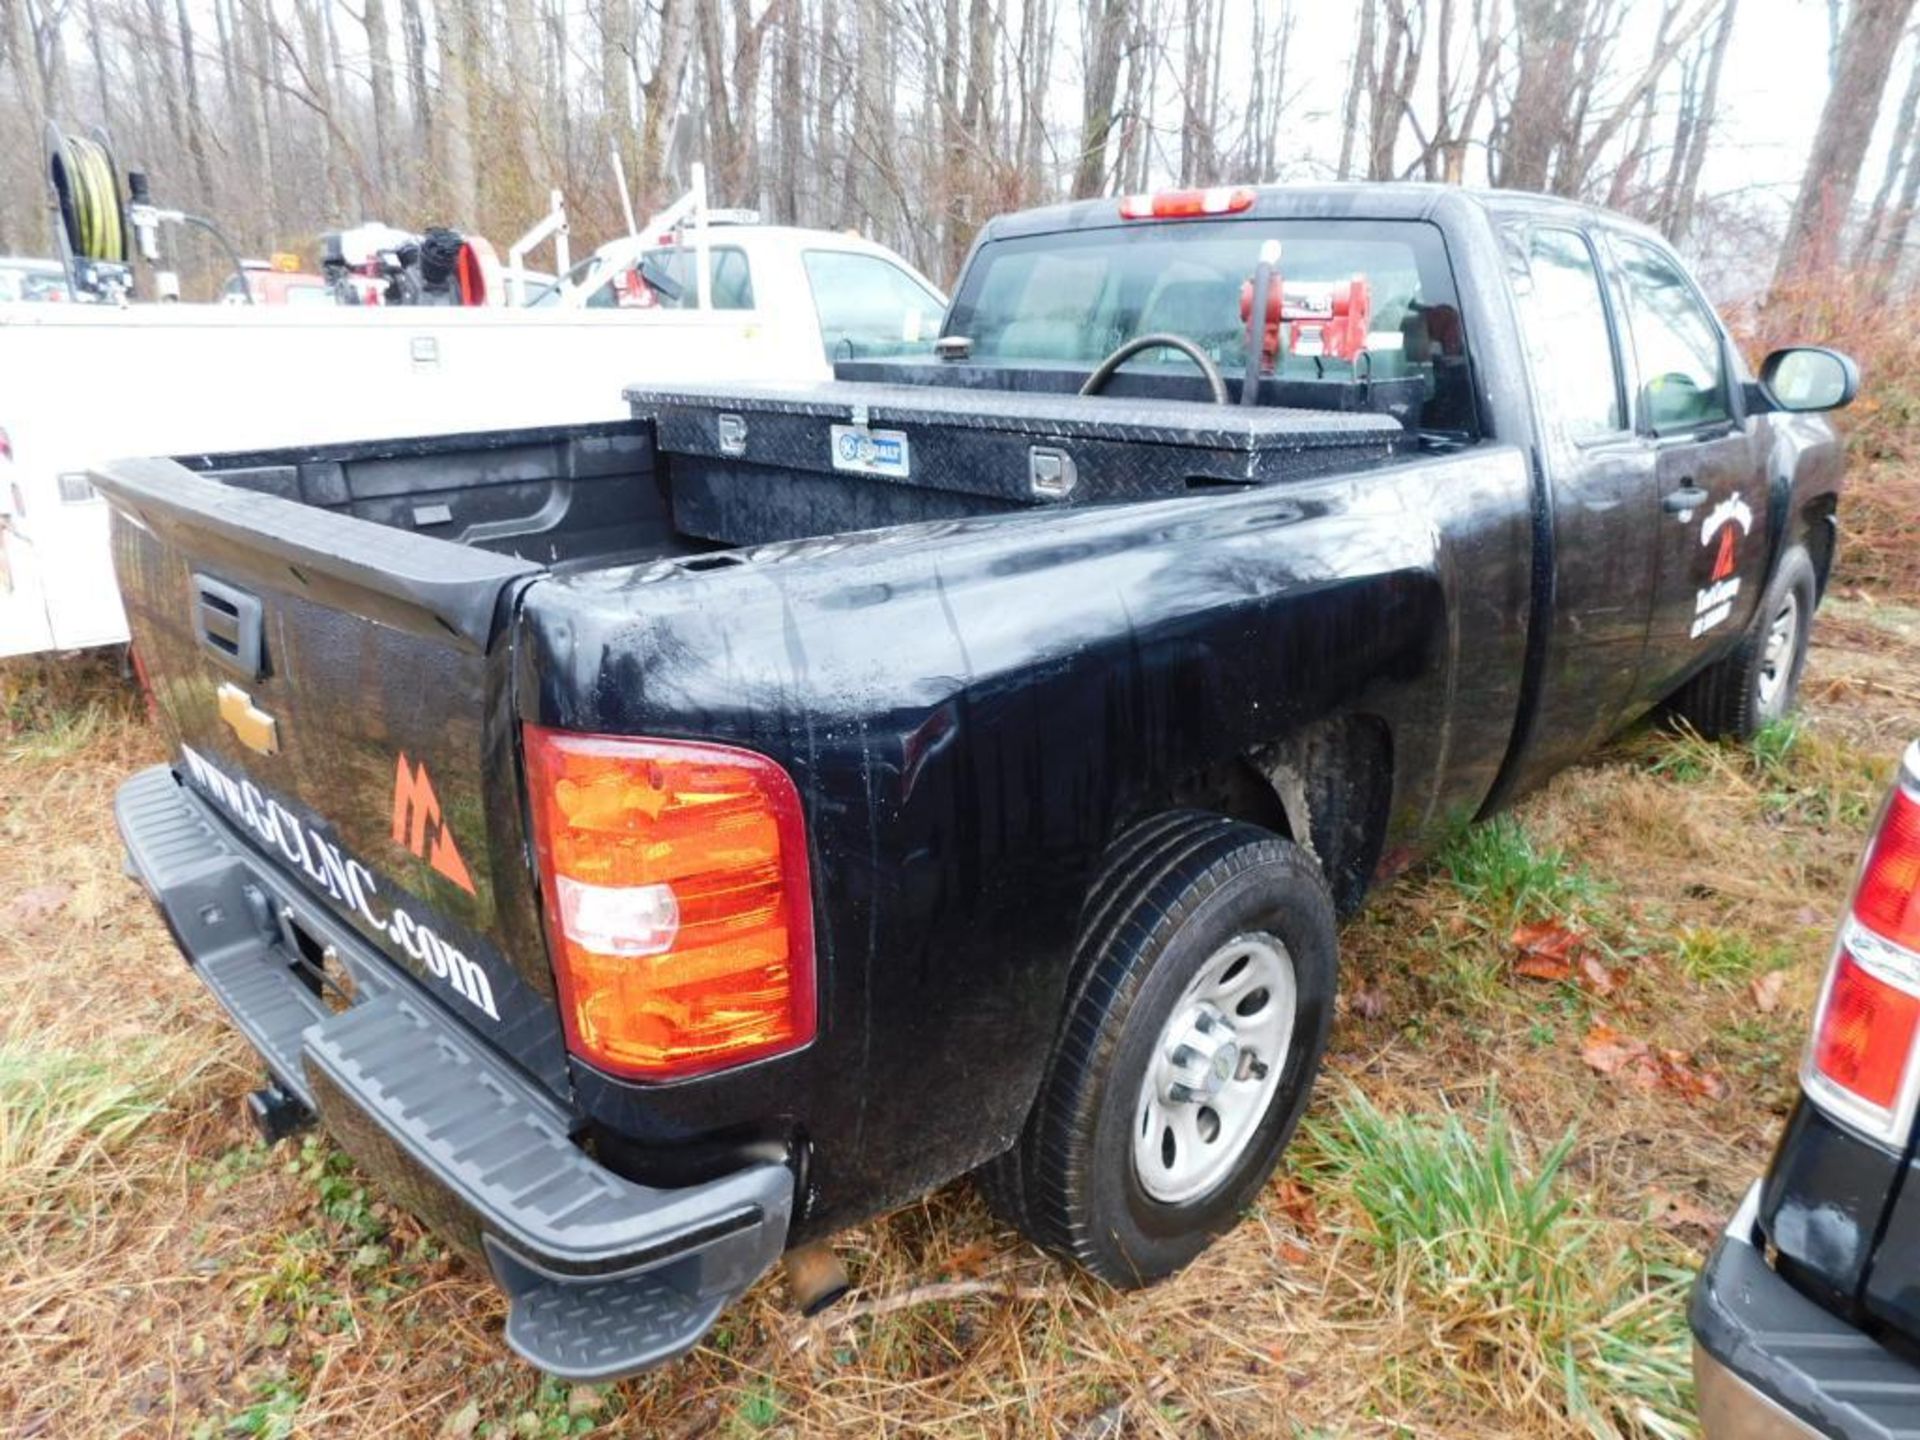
x: 1072, y: 298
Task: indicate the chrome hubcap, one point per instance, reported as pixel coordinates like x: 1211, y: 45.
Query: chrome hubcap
x: 1776, y: 660
x: 1215, y: 1068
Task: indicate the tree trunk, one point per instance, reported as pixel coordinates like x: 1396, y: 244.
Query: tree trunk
x: 454, y: 24
x: 1535, y: 129
x: 1357, y: 81
x: 258, y: 42
x: 662, y: 96
x: 1897, y: 147
x: 1864, y: 57
x: 1107, y: 25
x: 196, y: 115
x: 413, y: 31
x: 380, y: 81
x: 789, y: 115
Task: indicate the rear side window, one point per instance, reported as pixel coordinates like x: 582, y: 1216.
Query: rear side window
x: 1676, y: 343
x: 669, y: 273
x: 1563, y: 317
x: 869, y: 306
x: 1071, y: 298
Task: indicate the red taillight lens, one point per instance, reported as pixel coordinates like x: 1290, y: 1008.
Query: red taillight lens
x: 1187, y: 204
x: 1866, y: 1033
x: 678, y: 903
x: 1861, y: 1065
x: 1888, y: 901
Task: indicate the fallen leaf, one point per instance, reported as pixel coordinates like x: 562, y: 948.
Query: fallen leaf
x: 463, y: 1422
x: 1608, y: 1051
x: 1297, y: 1204
x: 1368, y: 1003
x: 1766, y: 991
x: 972, y: 1258
x: 30, y: 907
x: 1560, y: 955
x: 1293, y: 1252
x: 1550, y: 968
x: 1596, y: 976
x: 1634, y: 1062
x: 1680, y: 1212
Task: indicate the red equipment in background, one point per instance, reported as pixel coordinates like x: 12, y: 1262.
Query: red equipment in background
x: 1327, y: 319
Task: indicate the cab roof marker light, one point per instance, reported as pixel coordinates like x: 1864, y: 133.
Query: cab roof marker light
x: 1863, y: 1063
x: 1187, y: 204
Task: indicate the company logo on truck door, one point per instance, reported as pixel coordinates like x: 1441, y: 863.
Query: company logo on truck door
x: 344, y: 878
x: 419, y: 825
x: 1713, y: 602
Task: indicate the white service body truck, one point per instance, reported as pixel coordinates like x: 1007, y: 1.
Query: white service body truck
x: 83, y: 384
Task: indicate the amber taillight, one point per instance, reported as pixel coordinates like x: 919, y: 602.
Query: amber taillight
x: 1863, y: 1066
x: 678, y: 905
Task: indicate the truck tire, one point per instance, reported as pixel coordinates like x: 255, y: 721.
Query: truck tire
x: 1759, y: 681
x: 1193, y: 1029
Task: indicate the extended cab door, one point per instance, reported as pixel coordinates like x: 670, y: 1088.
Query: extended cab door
x: 1709, y: 536
x: 1599, y: 483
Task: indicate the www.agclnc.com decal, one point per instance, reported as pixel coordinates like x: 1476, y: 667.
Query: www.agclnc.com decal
x: 348, y: 881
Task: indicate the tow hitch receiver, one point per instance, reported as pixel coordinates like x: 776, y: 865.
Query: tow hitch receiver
x: 275, y: 1113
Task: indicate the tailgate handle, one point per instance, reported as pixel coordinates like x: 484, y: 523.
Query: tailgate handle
x: 226, y: 622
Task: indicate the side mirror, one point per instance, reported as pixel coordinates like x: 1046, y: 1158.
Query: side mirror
x: 1806, y: 378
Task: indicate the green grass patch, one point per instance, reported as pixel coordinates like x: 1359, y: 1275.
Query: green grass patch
x: 1511, y: 878
x: 1724, y: 957
x: 1536, y: 1297
x: 60, y: 1110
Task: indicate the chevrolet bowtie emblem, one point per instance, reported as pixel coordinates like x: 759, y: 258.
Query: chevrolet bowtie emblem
x: 257, y: 730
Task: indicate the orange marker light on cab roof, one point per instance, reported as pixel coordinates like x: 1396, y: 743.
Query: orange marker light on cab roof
x: 678, y: 903
x: 1187, y: 204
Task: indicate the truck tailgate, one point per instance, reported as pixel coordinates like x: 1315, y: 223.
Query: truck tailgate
x: 339, y: 691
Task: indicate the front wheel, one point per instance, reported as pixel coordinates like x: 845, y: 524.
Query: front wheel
x: 1758, y: 682
x: 1203, y: 994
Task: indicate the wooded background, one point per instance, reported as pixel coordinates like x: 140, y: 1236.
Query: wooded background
x: 913, y: 120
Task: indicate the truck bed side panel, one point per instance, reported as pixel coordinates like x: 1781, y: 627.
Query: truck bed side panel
x: 973, y: 710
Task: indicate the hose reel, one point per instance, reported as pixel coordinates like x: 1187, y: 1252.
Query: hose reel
x: 92, y: 225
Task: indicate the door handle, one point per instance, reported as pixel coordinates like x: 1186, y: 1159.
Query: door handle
x: 1688, y: 497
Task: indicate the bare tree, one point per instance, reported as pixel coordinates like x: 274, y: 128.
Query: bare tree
x: 1862, y: 61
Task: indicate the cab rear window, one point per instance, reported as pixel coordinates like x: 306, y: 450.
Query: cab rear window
x: 1072, y: 298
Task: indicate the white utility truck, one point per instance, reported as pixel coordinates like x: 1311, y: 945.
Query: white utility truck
x: 83, y: 384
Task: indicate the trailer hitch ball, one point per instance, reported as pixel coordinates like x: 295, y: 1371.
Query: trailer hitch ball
x: 815, y: 1277
x: 276, y: 1114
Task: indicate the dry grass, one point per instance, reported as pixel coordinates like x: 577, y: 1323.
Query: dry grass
x: 1880, y: 551
x: 164, y: 1275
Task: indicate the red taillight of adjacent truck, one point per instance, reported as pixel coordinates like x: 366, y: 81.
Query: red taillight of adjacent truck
x: 1862, y: 1066
x: 678, y: 905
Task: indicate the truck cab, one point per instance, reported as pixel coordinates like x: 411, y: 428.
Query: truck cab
x: 845, y: 296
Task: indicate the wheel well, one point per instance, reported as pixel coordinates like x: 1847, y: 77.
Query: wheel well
x: 1327, y: 787
x: 1334, y: 781
x: 1817, y: 533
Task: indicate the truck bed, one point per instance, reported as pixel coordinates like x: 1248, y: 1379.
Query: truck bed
x: 710, y: 467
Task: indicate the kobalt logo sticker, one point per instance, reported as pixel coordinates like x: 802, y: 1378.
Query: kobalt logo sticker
x: 870, y: 452
x: 1713, y: 602
x: 344, y: 878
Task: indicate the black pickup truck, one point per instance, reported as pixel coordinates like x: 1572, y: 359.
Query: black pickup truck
x: 650, y: 847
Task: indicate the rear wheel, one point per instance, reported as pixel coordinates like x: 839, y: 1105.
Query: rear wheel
x: 1758, y: 682
x: 1203, y: 995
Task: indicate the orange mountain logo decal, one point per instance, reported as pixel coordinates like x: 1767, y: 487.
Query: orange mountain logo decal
x: 419, y: 825
x: 1724, y: 560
